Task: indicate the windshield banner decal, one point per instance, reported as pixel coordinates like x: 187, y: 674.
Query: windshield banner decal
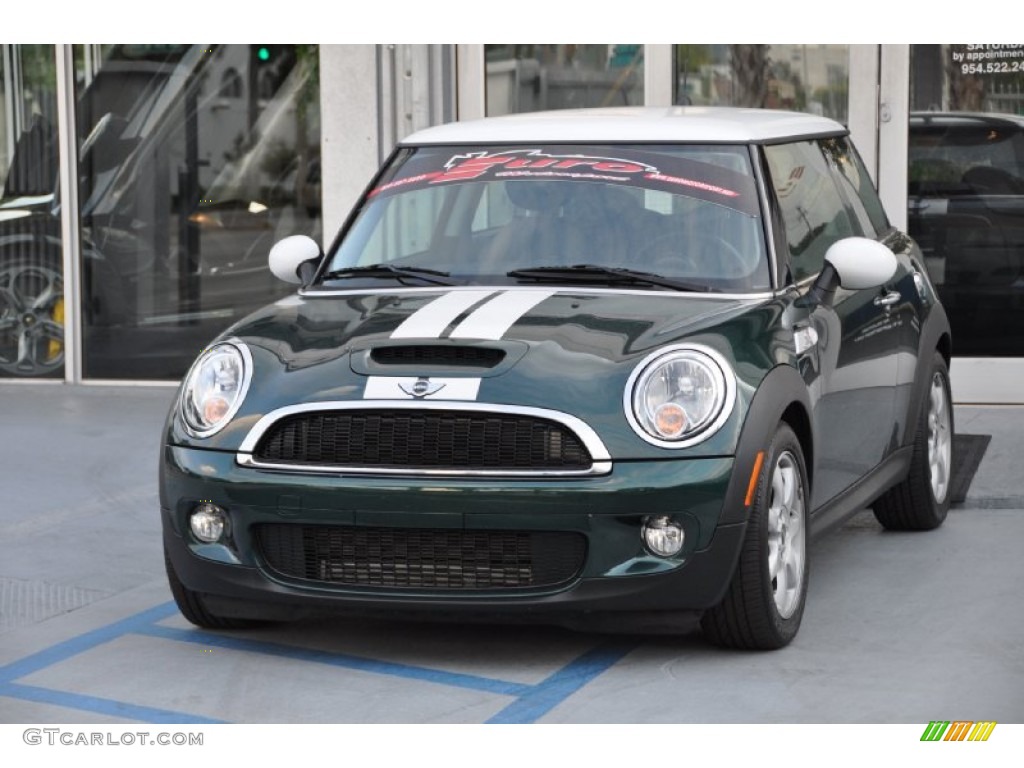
x: 476, y: 164
x: 709, y: 181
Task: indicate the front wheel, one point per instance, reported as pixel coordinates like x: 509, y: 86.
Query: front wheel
x: 764, y: 603
x: 921, y: 501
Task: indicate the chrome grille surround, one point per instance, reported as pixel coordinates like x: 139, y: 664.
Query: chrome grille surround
x: 601, y: 463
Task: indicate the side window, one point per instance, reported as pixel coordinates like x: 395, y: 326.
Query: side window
x: 812, y: 210
x: 854, y: 179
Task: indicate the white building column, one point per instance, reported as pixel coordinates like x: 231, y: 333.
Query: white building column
x: 350, y: 128
x: 470, y: 68
x: 863, y: 104
x: 893, y: 117
x: 659, y: 75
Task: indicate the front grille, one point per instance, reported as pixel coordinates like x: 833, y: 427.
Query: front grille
x: 438, y: 559
x: 424, y: 439
x: 438, y: 354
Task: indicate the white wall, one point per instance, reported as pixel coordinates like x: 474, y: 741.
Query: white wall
x: 349, y: 128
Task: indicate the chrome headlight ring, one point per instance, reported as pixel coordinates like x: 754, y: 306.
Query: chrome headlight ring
x: 679, y: 395
x: 215, y: 387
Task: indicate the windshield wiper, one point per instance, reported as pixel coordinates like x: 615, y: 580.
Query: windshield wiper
x: 594, y: 273
x: 433, y: 276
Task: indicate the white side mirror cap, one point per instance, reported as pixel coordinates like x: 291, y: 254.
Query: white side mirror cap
x: 289, y: 254
x: 861, y: 263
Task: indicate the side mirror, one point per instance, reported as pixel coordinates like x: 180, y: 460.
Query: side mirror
x: 294, y: 259
x: 854, y: 263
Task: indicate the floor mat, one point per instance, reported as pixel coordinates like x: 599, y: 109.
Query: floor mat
x: 968, y: 451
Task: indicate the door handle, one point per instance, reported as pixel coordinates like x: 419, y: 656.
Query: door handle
x: 887, y: 299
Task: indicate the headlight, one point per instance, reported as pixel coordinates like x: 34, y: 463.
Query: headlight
x: 679, y: 396
x: 215, y: 387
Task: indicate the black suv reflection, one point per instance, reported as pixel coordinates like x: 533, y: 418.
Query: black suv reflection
x: 966, y: 199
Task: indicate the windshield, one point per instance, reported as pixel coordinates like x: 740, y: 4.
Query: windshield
x: 689, y: 213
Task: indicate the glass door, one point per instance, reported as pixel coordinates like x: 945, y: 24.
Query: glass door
x: 193, y: 161
x: 31, y: 265
x: 964, y: 193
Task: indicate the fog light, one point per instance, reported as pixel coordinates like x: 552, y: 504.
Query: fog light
x: 208, y: 522
x: 663, y: 536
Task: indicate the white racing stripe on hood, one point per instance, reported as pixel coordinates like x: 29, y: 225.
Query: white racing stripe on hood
x: 430, y: 321
x: 494, y: 318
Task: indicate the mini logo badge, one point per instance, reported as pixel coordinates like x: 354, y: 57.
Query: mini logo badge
x: 421, y: 388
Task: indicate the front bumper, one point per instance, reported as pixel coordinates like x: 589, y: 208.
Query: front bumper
x: 617, y: 575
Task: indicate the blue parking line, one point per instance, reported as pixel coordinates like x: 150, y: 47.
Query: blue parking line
x: 545, y: 696
x: 60, y: 652
x: 100, y: 705
x: 530, y: 702
x: 55, y: 654
x: 425, y: 674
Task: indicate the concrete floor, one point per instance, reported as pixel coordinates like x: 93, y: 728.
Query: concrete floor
x: 899, y: 628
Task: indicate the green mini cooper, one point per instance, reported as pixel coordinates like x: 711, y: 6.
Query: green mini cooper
x: 599, y: 367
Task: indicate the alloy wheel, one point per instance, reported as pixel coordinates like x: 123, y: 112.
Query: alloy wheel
x: 786, y: 540
x: 31, y: 320
x: 940, y: 442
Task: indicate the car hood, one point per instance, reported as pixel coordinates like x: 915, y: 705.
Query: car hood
x: 563, y: 349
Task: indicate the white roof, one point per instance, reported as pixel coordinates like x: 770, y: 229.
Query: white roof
x: 674, y: 124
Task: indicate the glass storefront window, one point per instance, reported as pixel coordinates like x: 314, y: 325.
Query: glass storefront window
x: 966, y: 188
x: 194, y: 160
x: 803, y: 78
x: 529, y: 78
x: 31, y: 266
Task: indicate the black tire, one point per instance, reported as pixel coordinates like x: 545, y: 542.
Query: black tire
x: 759, y: 612
x: 921, y: 501
x: 193, y: 607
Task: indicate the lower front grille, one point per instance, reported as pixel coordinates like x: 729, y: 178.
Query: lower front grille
x: 422, y: 558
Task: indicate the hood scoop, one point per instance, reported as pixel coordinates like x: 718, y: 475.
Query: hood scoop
x: 435, y: 355
x: 437, y: 358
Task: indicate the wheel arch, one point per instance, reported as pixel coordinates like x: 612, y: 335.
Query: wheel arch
x: 914, y: 504
x: 945, y: 348
x: 935, y: 337
x: 781, y: 397
x: 799, y: 420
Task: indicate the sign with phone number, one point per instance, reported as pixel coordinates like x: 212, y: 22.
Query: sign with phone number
x: 989, y: 59
x: 992, y: 68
